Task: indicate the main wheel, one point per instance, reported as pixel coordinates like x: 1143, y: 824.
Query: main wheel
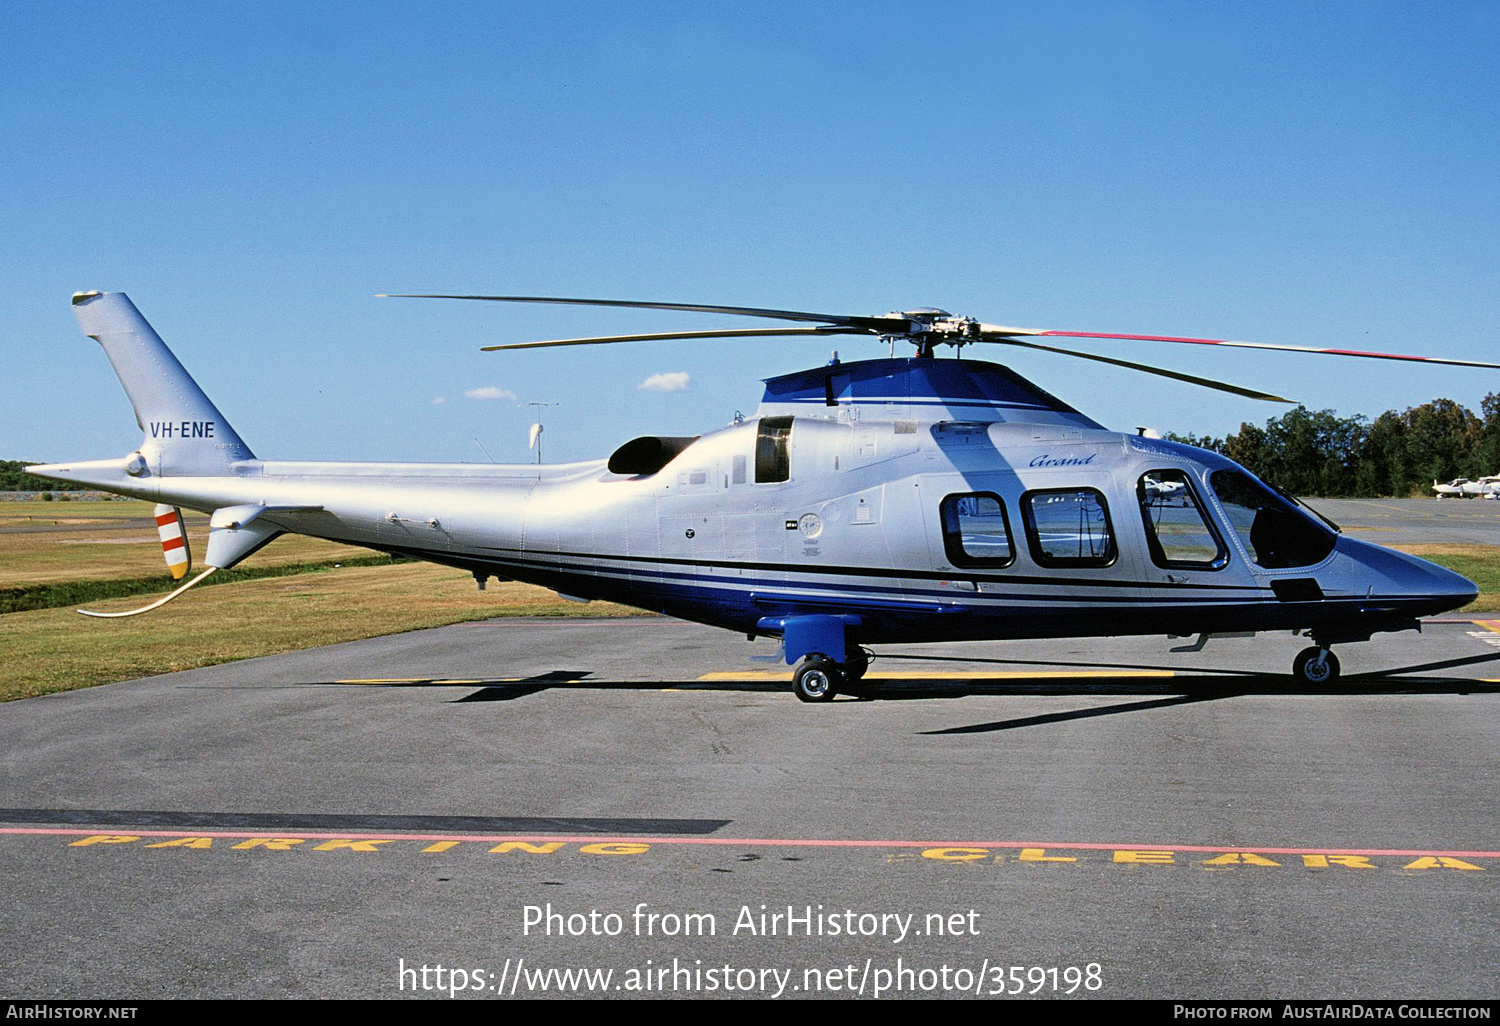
x: 816, y: 679
x: 853, y: 671
x: 855, y: 666
x: 1316, y: 666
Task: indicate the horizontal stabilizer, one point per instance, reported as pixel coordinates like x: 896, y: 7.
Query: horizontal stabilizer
x: 235, y: 532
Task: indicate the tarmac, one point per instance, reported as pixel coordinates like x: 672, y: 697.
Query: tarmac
x: 517, y: 799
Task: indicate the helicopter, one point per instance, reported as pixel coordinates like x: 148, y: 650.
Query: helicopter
x: 891, y: 500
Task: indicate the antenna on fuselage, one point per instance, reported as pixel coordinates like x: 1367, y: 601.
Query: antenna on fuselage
x: 536, y: 431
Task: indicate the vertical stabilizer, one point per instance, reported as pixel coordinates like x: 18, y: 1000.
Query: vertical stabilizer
x: 184, y: 432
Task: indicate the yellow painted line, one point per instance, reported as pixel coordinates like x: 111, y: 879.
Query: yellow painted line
x: 1492, y: 626
x: 922, y: 675
x: 430, y: 680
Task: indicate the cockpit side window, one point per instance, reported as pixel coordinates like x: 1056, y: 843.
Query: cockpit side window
x: 1177, y: 531
x: 1068, y: 527
x: 772, y: 439
x: 1275, y: 533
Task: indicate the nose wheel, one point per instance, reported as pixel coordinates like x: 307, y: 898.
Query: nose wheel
x: 1315, y: 666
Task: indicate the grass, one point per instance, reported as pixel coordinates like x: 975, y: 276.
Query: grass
x: 72, y: 547
x: 92, y: 592
x: 288, y: 596
x: 57, y: 650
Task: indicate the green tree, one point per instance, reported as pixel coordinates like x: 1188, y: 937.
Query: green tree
x: 1379, y: 469
x: 1488, y: 455
x: 1442, y: 442
x: 13, y: 478
x: 1315, y: 453
x: 1206, y: 442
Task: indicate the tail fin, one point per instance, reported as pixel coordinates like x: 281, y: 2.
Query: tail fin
x: 185, y: 432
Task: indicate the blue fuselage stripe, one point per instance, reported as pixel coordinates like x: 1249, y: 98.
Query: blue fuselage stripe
x: 722, y: 583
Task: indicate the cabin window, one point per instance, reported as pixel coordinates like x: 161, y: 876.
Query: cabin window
x: 976, y: 531
x: 1068, y: 527
x: 771, y: 443
x: 1177, y: 532
x: 1275, y: 532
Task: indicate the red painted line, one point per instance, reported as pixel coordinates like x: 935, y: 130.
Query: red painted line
x: 165, y: 519
x: 778, y: 842
x: 173, y: 543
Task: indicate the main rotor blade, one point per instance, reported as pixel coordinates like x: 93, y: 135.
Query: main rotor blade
x: 997, y: 330
x: 894, y: 325
x: 727, y: 333
x: 1222, y: 386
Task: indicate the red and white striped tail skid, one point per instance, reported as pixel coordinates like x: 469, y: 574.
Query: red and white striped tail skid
x: 174, y: 543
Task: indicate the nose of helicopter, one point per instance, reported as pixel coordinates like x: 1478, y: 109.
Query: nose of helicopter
x: 1421, y: 587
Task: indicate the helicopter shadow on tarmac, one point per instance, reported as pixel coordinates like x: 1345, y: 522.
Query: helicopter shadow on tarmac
x: 1199, y: 685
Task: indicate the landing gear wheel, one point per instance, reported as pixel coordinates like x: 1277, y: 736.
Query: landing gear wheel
x: 1316, y: 666
x: 854, y: 670
x: 816, y: 679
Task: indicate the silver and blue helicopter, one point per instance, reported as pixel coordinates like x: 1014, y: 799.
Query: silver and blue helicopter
x: 899, y: 500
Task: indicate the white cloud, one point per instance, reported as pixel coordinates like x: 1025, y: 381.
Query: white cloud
x: 439, y: 400
x: 673, y: 381
x: 490, y: 392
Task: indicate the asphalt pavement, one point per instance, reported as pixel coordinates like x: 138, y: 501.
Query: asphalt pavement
x: 638, y: 806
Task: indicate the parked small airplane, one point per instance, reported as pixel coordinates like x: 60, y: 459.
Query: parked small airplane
x: 1483, y: 488
x: 1452, y: 490
x: 881, y: 501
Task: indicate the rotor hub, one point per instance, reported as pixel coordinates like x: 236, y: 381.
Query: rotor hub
x: 929, y: 327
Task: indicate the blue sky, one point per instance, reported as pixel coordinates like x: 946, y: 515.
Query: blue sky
x: 252, y: 175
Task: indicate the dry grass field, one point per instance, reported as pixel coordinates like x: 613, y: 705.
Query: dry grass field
x: 45, y: 650
x: 54, y: 542
x: 49, y: 650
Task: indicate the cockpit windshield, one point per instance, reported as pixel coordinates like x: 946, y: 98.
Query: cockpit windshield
x: 1276, y: 533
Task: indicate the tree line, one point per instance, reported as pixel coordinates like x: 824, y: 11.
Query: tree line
x: 13, y: 478
x: 1397, y: 454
